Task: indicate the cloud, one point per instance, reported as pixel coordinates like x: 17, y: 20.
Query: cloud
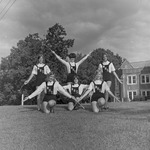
x: 119, y: 25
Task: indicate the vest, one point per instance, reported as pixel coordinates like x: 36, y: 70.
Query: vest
x: 73, y: 69
x: 75, y: 91
x: 40, y: 77
x: 98, y: 87
x: 49, y: 88
x: 106, y: 73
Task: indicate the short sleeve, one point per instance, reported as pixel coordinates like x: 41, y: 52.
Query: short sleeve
x: 90, y: 86
x: 100, y: 66
x: 112, y: 68
x: 34, y: 71
x: 47, y: 69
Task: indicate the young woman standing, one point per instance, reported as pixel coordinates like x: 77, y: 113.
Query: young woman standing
x: 40, y: 70
x: 71, y: 65
x: 107, y: 68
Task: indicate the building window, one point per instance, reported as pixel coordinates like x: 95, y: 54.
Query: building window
x: 134, y: 79
x: 148, y: 93
x: 131, y: 79
x: 145, y: 93
x: 132, y: 94
x: 145, y: 78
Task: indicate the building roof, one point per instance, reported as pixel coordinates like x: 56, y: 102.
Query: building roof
x: 126, y: 65
x: 140, y: 64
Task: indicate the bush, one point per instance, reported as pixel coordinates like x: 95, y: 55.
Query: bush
x: 139, y: 98
x: 147, y: 98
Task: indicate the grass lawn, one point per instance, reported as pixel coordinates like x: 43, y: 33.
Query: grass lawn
x: 126, y: 126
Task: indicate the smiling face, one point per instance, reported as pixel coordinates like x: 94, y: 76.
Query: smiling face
x: 51, y: 78
x: 76, y: 80
x: 72, y: 59
x: 41, y: 59
x: 105, y: 57
x: 98, y: 76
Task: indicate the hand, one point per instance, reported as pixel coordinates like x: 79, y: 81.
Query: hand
x: 26, y: 98
x: 26, y: 82
x: 120, y: 81
x: 117, y: 99
x: 78, y: 99
x: 72, y: 97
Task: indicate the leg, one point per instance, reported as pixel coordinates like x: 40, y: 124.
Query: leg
x: 94, y: 107
x: 101, y: 102
x: 40, y: 99
x: 39, y: 102
x: 52, y: 103
x: 107, y: 94
x: 70, y: 106
x: 45, y: 108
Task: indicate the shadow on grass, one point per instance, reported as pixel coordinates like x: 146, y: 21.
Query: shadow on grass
x: 130, y: 111
x: 29, y: 108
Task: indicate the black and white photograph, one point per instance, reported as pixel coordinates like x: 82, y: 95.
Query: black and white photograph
x: 74, y: 75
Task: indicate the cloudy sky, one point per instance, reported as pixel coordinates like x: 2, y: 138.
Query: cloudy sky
x: 123, y: 26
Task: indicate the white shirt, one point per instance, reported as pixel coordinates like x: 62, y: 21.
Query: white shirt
x: 81, y: 87
x: 46, y: 69
x: 57, y: 87
x: 111, y: 66
x: 104, y: 86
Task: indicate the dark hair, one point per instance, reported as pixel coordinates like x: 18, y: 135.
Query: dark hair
x: 40, y: 55
x: 72, y: 55
x: 104, y: 54
x: 76, y: 77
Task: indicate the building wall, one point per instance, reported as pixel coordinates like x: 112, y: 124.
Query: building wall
x: 134, y: 87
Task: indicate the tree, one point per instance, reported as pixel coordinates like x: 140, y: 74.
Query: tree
x: 88, y: 68
x: 16, y: 67
x: 55, y: 40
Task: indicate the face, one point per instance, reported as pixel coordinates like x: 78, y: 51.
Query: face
x: 105, y: 57
x: 76, y: 80
x: 41, y: 59
x: 72, y: 59
x: 51, y: 78
x: 99, y: 76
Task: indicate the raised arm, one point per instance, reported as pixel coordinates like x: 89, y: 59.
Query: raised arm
x: 83, y: 59
x: 59, y: 58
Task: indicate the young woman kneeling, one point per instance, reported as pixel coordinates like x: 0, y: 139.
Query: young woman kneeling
x: 51, y: 86
x: 99, y: 87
